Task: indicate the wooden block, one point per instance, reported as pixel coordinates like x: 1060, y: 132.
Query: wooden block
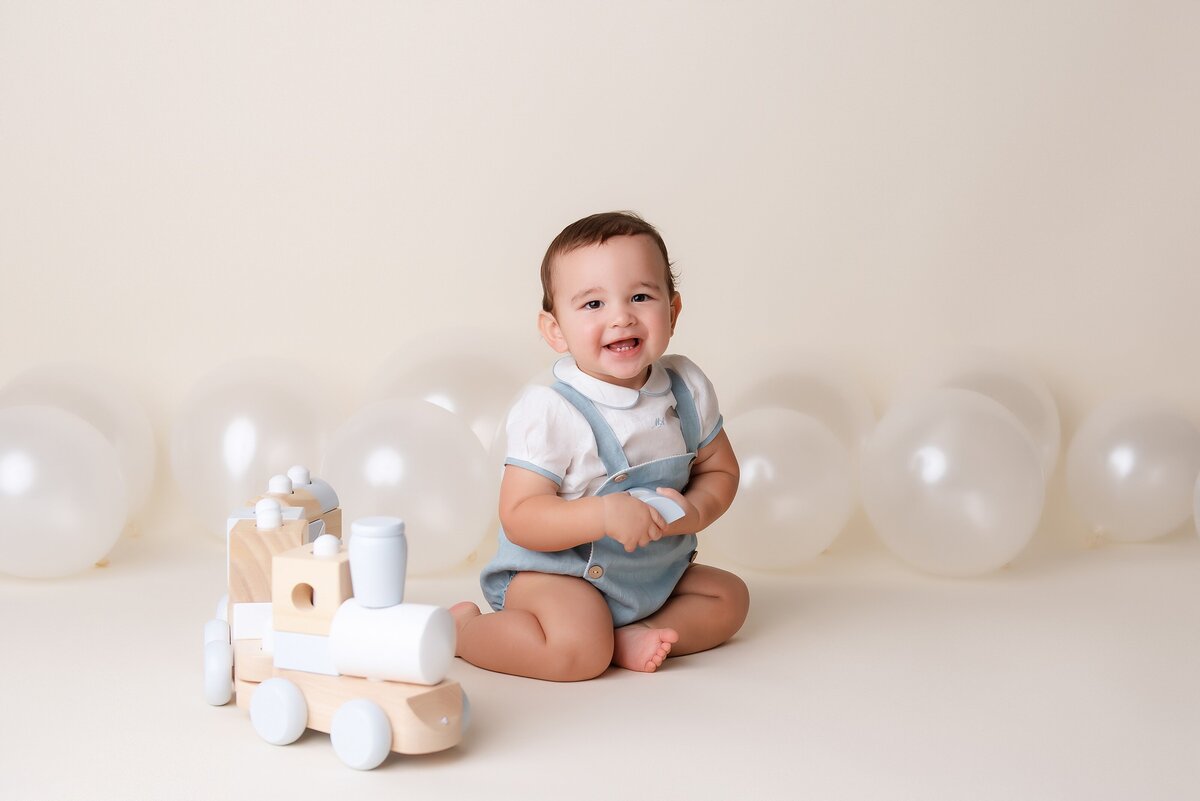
x: 250, y: 663
x: 250, y: 552
x: 311, y: 508
x: 424, y: 719
x: 307, y: 590
x: 243, y: 690
x: 238, y: 515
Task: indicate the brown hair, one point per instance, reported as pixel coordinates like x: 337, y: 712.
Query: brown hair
x: 596, y: 230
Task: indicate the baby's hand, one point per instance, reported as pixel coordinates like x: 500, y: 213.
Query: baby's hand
x: 689, y: 523
x: 631, y: 522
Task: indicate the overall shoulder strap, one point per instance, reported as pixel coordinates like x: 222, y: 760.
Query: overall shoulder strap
x: 607, y: 444
x: 685, y: 407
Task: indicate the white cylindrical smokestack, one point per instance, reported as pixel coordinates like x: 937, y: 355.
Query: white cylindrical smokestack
x: 378, y: 560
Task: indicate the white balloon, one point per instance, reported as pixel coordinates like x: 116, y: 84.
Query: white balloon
x: 796, y: 491
x: 952, y: 483
x: 240, y: 425
x: 102, y: 401
x: 62, y: 497
x: 1009, y: 383
x: 819, y: 390
x: 453, y: 374
x: 1131, y: 468
x: 416, y: 461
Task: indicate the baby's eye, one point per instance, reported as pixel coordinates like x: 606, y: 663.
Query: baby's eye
x: 640, y: 297
x: 592, y: 305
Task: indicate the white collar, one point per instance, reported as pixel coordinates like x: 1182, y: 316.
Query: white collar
x: 611, y: 395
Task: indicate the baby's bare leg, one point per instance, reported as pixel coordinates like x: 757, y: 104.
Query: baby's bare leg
x: 552, y: 627
x: 706, y: 608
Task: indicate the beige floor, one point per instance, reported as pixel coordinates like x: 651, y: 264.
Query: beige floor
x: 1075, y: 674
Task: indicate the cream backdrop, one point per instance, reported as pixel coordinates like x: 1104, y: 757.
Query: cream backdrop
x: 875, y: 182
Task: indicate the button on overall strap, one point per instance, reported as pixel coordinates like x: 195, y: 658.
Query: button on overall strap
x: 608, y: 446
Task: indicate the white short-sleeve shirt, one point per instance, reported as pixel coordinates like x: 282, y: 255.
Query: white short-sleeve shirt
x: 547, y: 435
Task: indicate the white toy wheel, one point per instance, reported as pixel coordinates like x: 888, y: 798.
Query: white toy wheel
x: 216, y: 630
x: 278, y: 711
x: 218, y: 672
x: 361, y: 734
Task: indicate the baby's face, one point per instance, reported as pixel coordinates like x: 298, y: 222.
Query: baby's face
x: 612, y: 310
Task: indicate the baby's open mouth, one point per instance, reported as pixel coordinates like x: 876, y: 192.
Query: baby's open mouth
x: 623, y: 345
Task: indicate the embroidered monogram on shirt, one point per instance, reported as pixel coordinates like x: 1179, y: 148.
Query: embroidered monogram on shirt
x: 659, y: 422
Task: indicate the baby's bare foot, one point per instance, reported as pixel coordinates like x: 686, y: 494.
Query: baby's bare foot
x: 463, y: 613
x: 639, y: 647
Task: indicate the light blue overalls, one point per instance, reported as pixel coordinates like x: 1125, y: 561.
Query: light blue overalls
x: 637, y: 584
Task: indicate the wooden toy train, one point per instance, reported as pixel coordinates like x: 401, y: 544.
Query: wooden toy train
x: 315, y: 634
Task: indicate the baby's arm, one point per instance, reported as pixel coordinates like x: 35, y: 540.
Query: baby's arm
x: 534, y: 517
x: 710, y: 490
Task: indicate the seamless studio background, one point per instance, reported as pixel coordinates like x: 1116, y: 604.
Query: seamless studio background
x: 872, y: 183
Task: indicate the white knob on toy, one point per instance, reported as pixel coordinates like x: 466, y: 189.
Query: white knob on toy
x: 279, y: 485
x: 268, y: 513
x: 326, y: 546
x: 299, y: 475
x: 378, y: 560
x: 407, y: 642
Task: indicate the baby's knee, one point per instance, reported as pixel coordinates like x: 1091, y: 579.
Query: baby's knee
x: 580, y: 659
x: 735, y: 601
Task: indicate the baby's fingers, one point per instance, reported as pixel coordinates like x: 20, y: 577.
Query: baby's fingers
x: 657, y: 520
x: 674, y: 495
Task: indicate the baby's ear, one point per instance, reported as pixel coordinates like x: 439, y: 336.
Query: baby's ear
x: 676, y: 310
x: 551, y: 332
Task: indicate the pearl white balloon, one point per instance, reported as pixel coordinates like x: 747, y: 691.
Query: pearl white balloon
x: 952, y: 483
x: 62, y: 497
x: 1011, y: 384
x: 101, y: 400
x: 796, y: 491
x: 1131, y: 468
x: 819, y: 390
x: 240, y: 425
x: 454, y: 374
x: 416, y: 461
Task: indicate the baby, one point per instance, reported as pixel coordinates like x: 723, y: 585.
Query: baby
x: 587, y: 575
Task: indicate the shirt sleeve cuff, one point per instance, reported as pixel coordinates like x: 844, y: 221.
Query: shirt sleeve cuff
x: 539, y: 470
x: 716, y: 430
